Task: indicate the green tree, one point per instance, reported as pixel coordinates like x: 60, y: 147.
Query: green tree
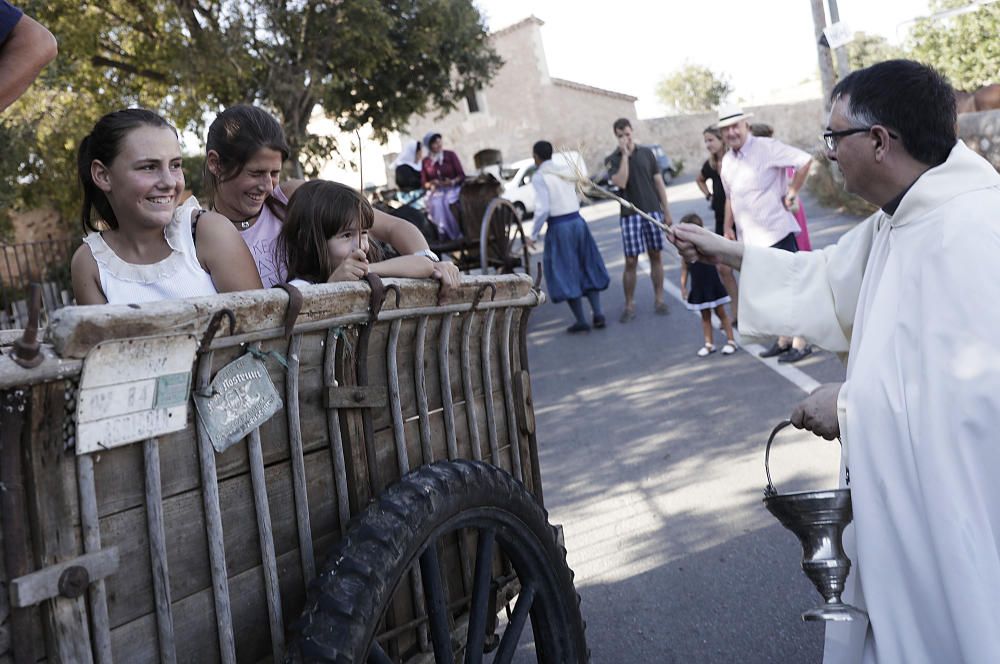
x: 866, y: 50
x: 962, y: 46
x: 357, y: 61
x: 693, y: 88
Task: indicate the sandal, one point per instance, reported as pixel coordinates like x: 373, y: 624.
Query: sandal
x: 729, y: 348
x: 706, y: 350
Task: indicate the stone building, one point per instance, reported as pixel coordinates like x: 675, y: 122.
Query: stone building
x: 524, y: 104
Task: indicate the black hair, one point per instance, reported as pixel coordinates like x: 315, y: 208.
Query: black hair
x: 692, y: 218
x: 762, y: 129
x: 104, y: 143
x: 543, y: 150
x: 318, y: 210
x: 236, y: 135
x: 621, y: 123
x: 909, y: 97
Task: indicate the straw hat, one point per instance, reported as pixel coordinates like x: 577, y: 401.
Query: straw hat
x: 730, y: 114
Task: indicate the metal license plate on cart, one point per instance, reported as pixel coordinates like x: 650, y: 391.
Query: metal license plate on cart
x: 133, y: 389
x: 242, y: 398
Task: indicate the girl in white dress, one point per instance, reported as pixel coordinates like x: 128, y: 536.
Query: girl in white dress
x: 140, y: 247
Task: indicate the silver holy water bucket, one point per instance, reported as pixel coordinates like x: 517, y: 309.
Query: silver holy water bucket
x: 818, y: 519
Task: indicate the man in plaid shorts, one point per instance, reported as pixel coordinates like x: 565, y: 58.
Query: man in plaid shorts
x: 633, y: 169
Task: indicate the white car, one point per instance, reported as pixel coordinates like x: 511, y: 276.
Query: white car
x: 517, y: 179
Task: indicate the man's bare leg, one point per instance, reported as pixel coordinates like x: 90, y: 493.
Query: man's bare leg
x: 628, y: 283
x: 656, y: 274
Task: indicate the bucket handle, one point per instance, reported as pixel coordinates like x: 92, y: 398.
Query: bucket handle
x: 771, y: 490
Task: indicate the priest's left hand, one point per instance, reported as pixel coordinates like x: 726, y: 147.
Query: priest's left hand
x: 818, y: 412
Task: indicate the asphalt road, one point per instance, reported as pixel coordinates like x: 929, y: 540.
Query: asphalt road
x: 653, y: 461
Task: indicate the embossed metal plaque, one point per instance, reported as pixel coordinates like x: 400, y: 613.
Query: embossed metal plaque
x: 133, y: 389
x: 242, y: 398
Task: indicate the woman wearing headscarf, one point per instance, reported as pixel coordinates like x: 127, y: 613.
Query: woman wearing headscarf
x: 442, y: 176
x: 407, y: 167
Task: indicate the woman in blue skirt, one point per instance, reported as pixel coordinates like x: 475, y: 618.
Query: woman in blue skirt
x: 572, y: 264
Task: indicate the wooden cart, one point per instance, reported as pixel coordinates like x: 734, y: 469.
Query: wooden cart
x: 388, y: 511
x: 493, y: 238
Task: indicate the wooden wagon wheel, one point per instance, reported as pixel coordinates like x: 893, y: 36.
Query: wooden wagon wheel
x: 499, y: 235
x: 412, y: 524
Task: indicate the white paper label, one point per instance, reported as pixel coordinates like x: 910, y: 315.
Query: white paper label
x: 838, y: 34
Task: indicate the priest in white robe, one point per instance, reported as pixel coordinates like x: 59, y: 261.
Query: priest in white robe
x: 912, y: 294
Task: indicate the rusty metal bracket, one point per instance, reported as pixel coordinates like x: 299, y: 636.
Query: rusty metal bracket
x: 67, y: 579
x: 213, y: 328
x: 525, y: 406
x: 27, y: 351
x: 375, y: 301
x: 294, y: 307
x: 479, y: 296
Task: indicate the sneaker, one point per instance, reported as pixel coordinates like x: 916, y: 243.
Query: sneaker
x: 661, y: 308
x: 729, y: 348
x: 794, y: 355
x: 627, y: 315
x: 706, y: 350
x: 578, y: 327
x: 599, y: 321
x: 775, y: 349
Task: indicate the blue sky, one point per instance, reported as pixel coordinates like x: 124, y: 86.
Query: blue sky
x: 765, y: 48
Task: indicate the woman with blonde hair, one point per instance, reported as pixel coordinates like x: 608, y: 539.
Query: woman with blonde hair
x: 716, y: 198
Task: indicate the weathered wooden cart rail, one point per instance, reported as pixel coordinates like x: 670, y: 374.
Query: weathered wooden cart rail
x: 215, y: 549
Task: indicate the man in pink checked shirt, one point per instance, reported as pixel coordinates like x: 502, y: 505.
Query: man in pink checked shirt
x: 757, y: 202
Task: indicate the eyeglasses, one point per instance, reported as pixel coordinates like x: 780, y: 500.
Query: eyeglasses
x: 831, y: 138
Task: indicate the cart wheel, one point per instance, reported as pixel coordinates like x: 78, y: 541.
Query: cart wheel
x: 347, y: 602
x: 502, y: 240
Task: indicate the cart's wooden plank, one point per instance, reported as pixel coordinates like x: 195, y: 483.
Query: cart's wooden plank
x: 130, y: 591
x: 75, y: 330
x: 53, y: 510
x: 135, y: 641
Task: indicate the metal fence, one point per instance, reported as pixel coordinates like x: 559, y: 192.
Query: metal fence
x: 44, y: 261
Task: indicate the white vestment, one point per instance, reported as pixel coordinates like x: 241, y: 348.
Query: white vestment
x: 915, y: 299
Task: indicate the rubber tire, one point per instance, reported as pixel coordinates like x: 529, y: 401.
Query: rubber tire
x: 348, y: 598
x: 521, y: 210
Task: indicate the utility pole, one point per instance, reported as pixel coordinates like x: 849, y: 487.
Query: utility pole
x: 823, y: 52
x: 843, y: 65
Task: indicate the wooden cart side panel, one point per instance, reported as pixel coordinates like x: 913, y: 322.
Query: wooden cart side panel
x: 121, y: 490
x: 53, y: 511
x: 130, y: 590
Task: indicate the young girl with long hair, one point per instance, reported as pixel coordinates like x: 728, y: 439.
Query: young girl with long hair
x: 139, y: 246
x: 325, y: 237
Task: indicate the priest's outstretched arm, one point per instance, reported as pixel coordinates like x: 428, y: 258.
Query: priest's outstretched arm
x: 813, y: 294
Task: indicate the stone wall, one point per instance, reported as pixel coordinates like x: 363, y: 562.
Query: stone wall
x: 799, y: 124
x: 981, y: 132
